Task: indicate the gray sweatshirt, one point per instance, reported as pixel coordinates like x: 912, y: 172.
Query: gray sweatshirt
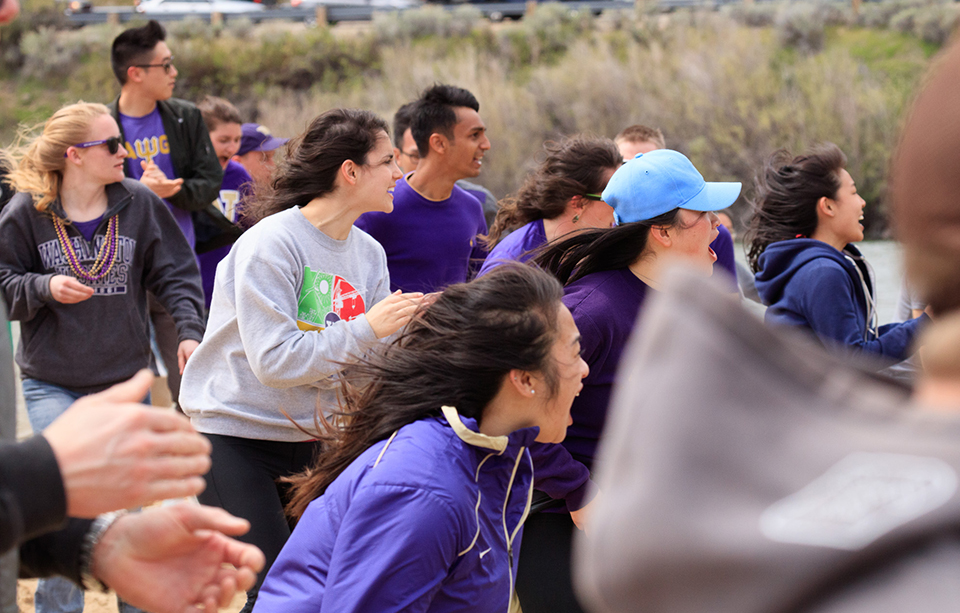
x: 288, y: 305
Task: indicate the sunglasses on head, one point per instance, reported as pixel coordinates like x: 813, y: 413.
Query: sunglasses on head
x: 112, y: 143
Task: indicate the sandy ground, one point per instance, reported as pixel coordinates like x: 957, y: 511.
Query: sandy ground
x: 95, y: 603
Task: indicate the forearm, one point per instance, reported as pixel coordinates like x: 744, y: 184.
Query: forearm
x: 32, y: 496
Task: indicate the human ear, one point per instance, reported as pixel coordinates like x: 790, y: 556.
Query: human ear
x: 523, y: 382
x: 825, y: 206
x: 133, y: 74
x: 438, y: 142
x: 661, y: 234
x: 349, y: 172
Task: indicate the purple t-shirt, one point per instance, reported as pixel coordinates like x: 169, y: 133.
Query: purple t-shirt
x: 88, y: 228
x: 723, y: 247
x: 146, y: 140
x: 429, y: 244
x: 516, y: 246
x: 234, y: 176
x: 605, y: 307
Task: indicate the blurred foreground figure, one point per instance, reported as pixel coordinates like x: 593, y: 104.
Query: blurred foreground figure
x: 808, y: 484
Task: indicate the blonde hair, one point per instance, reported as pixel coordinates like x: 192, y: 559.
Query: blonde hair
x: 36, y: 167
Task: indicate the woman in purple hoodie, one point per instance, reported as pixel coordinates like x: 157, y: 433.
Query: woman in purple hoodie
x: 418, y: 502
x: 808, y: 273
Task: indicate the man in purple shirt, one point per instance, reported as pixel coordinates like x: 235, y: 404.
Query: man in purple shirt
x: 168, y: 149
x: 431, y: 236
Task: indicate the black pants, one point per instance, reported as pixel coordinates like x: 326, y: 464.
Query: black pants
x: 544, y: 580
x: 243, y: 481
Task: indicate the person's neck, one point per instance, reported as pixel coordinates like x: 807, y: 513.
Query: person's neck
x: 829, y: 238
x: 82, y: 200
x: 432, y: 181
x: 559, y: 226
x: 503, y: 415
x: 649, y: 270
x: 132, y: 104
x: 330, y: 216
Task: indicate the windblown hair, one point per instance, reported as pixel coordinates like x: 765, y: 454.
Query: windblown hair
x: 134, y: 46
x: 401, y: 121
x: 641, y: 134
x: 787, y: 192
x: 313, y: 159
x: 579, y: 254
x: 218, y: 111
x: 435, y: 112
x: 572, y: 167
x: 455, y: 352
x: 36, y: 167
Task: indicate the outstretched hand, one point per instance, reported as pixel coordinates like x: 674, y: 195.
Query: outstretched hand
x: 154, y: 178
x: 115, y: 453
x: 393, y: 312
x: 177, y: 559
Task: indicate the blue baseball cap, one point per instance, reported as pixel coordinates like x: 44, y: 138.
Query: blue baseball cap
x: 255, y: 137
x: 655, y: 183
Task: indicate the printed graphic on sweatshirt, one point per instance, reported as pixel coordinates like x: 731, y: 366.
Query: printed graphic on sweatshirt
x: 227, y: 203
x: 326, y: 299
x: 113, y: 284
x: 148, y: 148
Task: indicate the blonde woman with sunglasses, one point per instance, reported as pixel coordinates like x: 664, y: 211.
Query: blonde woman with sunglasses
x: 82, y: 245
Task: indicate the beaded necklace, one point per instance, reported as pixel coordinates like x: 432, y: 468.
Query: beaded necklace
x: 105, y: 259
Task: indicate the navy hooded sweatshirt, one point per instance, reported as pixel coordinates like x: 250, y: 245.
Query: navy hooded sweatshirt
x: 808, y: 283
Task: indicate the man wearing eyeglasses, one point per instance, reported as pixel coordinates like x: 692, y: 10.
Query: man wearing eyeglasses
x: 168, y: 149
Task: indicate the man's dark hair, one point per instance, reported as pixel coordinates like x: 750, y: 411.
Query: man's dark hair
x: 436, y: 113
x: 401, y: 121
x: 134, y: 46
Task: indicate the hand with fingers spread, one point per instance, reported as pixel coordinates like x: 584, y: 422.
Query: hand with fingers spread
x: 393, y: 312
x: 115, y: 453
x: 68, y: 290
x: 154, y: 178
x: 177, y: 559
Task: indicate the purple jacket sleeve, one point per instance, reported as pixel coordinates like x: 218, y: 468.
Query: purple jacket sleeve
x: 723, y: 247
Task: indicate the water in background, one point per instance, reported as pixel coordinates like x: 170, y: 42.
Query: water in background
x: 887, y: 261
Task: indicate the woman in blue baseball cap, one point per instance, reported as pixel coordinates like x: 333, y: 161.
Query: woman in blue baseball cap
x: 665, y: 213
x: 808, y: 272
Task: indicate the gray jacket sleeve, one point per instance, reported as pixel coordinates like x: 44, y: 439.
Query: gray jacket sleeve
x: 25, y: 292
x: 280, y: 354
x: 171, y: 273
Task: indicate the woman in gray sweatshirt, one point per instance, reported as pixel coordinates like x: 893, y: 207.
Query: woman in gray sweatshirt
x: 300, y: 293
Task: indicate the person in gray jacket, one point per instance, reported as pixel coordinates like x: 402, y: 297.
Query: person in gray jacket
x: 745, y: 470
x: 82, y: 247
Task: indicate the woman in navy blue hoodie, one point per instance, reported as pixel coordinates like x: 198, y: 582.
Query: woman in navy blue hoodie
x: 808, y: 273
x: 418, y: 502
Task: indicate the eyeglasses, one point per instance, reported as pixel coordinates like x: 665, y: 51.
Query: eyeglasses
x: 167, y: 64
x: 413, y: 156
x: 593, y: 197
x: 112, y: 143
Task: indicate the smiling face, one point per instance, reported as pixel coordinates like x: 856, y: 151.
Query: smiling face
x: 378, y: 177
x: 692, y: 236
x: 97, y: 163
x: 226, y: 141
x: 469, y: 144
x: 849, y: 210
x: 553, y: 415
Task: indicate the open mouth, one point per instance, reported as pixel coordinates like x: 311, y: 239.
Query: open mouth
x: 713, y: 254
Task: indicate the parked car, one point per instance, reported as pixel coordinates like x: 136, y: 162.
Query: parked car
x: 383, y: 4
x: 201, y: 7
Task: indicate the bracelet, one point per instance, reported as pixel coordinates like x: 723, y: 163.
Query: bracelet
x: 90, y: 540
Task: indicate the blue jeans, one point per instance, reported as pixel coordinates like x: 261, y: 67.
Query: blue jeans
x: 46, y: 402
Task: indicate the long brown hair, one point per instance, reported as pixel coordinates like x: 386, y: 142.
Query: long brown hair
x: 787, y: 192
x: 456, y: 351
x: 309, y: 169
x: 36, y: 163
x: 571, y: 167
